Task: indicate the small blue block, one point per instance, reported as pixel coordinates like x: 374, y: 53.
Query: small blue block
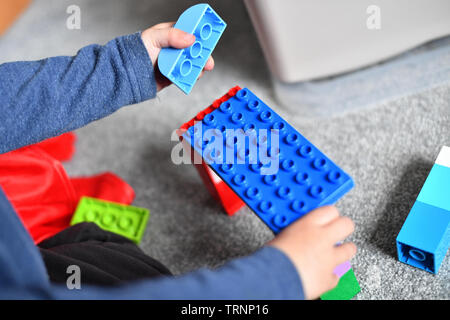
x: 436, y: 189
x: 183, y: 66
x: 290, y: 178
x: 424, y: 238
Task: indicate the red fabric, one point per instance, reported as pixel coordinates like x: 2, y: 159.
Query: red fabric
x: 61, y: 148
x: 41, y: 192
x: 106, y: 186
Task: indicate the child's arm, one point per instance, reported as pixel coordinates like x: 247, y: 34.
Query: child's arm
x: 298, y: 264
x: 42, y: 99
x: 265, y: 275
x: 310, y: 243
x: 23, y: 274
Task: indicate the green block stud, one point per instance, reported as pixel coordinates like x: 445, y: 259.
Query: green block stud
x: 127, y: 221
x: 346, y: 289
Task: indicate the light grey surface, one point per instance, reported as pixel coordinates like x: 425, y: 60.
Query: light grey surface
x: 424, y: 67
x: 388, y: 148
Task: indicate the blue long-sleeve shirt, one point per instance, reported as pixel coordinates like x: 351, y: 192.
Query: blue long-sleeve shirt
x: 46, y: 98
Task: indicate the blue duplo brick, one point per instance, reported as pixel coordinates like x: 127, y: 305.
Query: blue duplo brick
x: 424, y: 238
x: 183, y: 66
x: 284, y: 179
x: 436, y: 189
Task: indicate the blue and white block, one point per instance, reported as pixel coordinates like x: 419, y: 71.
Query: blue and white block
x: 424, y: 238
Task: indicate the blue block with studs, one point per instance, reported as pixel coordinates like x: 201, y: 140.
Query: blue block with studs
x: 424, y: 239
x: 183, y: 66
x: 276, y: 171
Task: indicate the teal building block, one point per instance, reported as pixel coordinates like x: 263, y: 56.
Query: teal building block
x: 128, y: 221
x: 436, y: 189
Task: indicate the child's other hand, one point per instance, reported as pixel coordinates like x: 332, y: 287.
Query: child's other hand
x: 310, y: 243
x: 164, y: 35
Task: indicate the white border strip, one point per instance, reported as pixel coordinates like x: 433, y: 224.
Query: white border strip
x: 443, y: 158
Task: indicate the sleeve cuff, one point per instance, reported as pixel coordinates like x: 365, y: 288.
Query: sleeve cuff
x: 286, y: 276
x: 139, y: 67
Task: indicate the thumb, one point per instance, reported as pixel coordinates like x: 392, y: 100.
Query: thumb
x: 171, y: 37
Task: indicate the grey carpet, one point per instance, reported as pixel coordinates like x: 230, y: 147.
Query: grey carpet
x: 388, y: 148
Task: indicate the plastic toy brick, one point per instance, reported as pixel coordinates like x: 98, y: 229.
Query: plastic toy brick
x: 306, y: 178
x: 183, y: 66
x: 424, y: 238
x: 217, y: 188
x: 435, y: 191
x: 230, y: 202
x: 127, y: 221
x: 346, y: 289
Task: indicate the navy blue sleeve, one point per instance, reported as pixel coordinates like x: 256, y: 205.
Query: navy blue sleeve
x: 266, y: 274
x: 43, y: 99
x: 21, y: 264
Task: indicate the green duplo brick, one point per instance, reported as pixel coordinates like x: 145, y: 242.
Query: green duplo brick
x: 127, y: 221
x: 346, y: 289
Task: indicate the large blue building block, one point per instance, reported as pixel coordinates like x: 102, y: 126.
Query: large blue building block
x: 183, y: 66
x: 436, y: 189
x: 424, y: 238
x: 305, y: 180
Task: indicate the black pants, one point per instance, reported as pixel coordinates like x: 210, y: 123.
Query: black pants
x: 104, y: 258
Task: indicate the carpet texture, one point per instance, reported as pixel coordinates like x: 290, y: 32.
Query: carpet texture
x: 388, y: 148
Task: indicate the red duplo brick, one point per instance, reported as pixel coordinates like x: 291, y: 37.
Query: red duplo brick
x: 216, y: 186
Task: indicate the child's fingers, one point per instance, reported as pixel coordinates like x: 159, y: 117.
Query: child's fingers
x: 339, y: 229
x: 163, y: 25
x: 171, y: 37
x: 323, y: 215
x: 334, y: 280
x: 209, y: 64
x: 208, y: 67
x: 344, y: 252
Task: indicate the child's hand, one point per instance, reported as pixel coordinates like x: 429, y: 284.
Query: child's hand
x: 161, y: 36
x: 310, y: 243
